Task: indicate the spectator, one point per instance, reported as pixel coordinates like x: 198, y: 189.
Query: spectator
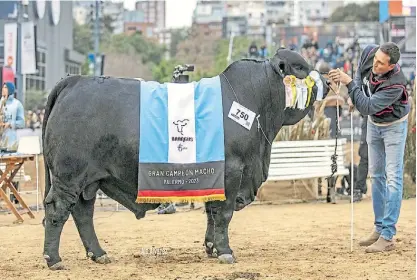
x: 263, y: 52
x: 13, y: 115
x: 13, y: 118
x: 332, y: 100
x: 34, y: 121
x: 253, y: 50
x: 293, y: 45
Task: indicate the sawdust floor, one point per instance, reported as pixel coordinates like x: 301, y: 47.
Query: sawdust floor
x: 293, y: 241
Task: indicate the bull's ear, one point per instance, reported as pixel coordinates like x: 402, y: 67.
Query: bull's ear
x: 281, y: 65
x: 278, y: 64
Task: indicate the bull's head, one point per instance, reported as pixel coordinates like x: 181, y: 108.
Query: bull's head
x: 288, y: 62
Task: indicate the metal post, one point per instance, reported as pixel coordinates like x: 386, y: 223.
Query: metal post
x: 97, y: 39
x: 229, y: 55
x: 19, y: 76
x: 37, y: 183
x: 352, y: 183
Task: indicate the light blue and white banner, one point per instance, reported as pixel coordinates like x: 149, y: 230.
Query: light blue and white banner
x: 181, y: 145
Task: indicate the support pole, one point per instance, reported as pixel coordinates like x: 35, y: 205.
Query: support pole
x: 352, y: 183
x: 97, y: 39
x: 37, y: 183
x: 19, y: 76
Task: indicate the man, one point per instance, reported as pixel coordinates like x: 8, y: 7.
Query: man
x: 13, y: 118
x: 253, y: 50
x: 378, y: 92
x: 263, y: 51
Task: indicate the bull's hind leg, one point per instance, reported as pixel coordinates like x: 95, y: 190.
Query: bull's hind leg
x: 83, y: 216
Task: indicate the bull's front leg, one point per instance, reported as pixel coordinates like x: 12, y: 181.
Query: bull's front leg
x: 219, y: 214
x: 222, y: 213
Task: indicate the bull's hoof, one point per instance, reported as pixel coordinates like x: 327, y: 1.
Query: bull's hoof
x: 209, y: 249
x: 226, y: 259
x: 104, y: 259
x: 58, y: 266
x: 239, y: 206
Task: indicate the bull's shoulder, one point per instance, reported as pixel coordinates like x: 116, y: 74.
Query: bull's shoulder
x: 68, y: 80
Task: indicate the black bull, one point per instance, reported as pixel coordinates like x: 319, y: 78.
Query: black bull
x: 91, y: 135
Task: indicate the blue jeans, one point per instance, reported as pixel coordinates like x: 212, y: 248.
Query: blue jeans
x: 386, y: 146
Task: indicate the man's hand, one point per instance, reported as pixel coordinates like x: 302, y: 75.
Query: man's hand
x: 338, y: 75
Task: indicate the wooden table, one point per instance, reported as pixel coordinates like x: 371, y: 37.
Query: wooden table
x: 13, y: 162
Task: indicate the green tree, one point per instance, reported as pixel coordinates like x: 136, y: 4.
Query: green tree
x: 356, y: 13
x: 162, y: 72
x: 177, y: 36
x: 82, y: 37
x: 35, y: 99
x: 135, y: 44
x: 239, y: 51
x: 209, y: 59
x: 107, y: 23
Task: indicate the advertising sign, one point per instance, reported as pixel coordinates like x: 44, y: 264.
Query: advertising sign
x: 10, y: 45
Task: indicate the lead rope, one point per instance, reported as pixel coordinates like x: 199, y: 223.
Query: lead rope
x: 260, y: 127
x: 333, y: 165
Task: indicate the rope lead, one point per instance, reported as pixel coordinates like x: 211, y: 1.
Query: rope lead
x: 333, y: 165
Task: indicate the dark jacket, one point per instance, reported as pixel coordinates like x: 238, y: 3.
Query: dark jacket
x: 385, y: 99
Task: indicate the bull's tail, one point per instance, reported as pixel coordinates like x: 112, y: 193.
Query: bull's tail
x: 53, y: 96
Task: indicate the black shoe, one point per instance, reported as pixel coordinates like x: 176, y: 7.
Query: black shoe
x: 357, y: 196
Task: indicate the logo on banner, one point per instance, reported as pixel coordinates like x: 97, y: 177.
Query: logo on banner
x: 180, y: 125
x: 181, y: 147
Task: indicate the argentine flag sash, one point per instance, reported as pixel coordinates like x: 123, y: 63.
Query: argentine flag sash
x: 181, y: 146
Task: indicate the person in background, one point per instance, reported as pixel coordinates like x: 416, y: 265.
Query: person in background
x: 360, y: 184
x: 13, y: 114
x: 42, y: 115
x: 332, y: 100
x: 328, y: 54
x: 412, y: 78
x: 293, y: 45
x: 253, y: 50
x: 34, y: 121
x: 13, y: 118
x: 263, y: 52
x: 378, y: 91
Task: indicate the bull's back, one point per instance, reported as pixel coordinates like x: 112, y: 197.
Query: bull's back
x: 93, y: 128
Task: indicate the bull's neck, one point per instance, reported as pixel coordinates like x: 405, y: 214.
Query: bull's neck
x: 274, y: 116
x: 256, y: 86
